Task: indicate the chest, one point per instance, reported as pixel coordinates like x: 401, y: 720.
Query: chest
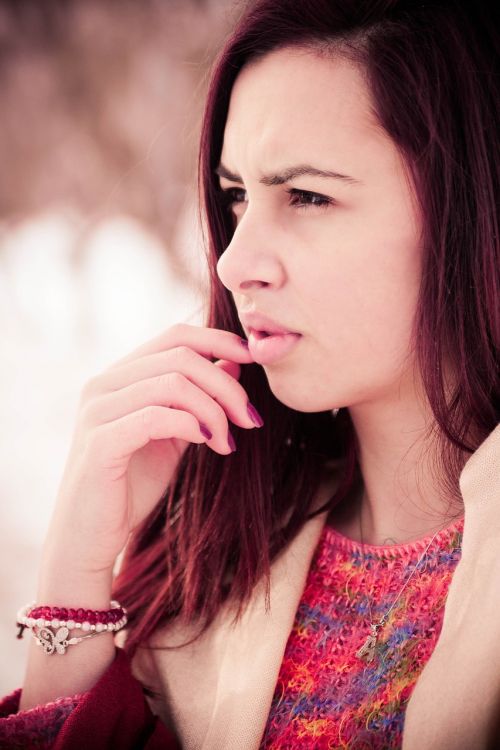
x: 325, y: 695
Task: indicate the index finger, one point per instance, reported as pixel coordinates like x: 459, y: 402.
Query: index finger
x: 213, y: 343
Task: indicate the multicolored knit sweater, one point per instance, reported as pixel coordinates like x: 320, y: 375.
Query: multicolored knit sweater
x: 326, y: 697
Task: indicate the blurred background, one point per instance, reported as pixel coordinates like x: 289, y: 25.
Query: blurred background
x: 100, y: 245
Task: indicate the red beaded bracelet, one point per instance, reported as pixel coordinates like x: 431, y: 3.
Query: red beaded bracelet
x: 77, y: 615
x: 41, y: 618
x: 32, y: 615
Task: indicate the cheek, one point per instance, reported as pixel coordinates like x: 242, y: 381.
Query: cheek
x: 356, y: 349
x: 358, y: 302
x: 363, y: 306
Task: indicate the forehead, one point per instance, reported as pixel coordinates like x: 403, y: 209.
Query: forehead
x: 294, y: 103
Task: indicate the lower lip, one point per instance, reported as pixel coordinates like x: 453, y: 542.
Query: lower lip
x: 270, y: 348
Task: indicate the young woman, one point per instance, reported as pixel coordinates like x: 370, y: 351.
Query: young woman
x: 311, y: 552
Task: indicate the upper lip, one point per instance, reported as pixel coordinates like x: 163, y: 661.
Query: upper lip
x: 258, y: 322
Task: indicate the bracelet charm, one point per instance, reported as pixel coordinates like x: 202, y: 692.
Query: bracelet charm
x: 51, y: 642
x: 52, y: 633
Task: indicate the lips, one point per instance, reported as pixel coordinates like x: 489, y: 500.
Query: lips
x: 262, y: 326
x: 268, y: 349
x: 261, y: 334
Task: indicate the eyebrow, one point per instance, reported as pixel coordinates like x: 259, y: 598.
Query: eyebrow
x: 288, y: 174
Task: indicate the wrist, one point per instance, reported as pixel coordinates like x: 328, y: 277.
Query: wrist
x: 75, y: 554
x: 68, y: 585
x: 70, y: 555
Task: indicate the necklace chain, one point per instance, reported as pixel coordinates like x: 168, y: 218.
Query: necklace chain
x: 367, y: 650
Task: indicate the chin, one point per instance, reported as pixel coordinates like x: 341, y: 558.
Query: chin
x: 301, y: 398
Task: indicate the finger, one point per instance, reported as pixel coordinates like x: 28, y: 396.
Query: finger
x: 232, y: 368
x: 212, y: 343
x: 114, y: 442
x: 172, y: 390
x: 212, y: 379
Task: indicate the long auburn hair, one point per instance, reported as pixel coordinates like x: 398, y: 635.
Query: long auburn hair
x: 432, y: 69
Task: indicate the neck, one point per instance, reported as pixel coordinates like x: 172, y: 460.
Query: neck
x: 354, y: 519
x: 397, y: 496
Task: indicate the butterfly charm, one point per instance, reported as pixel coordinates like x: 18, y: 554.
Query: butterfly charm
x: 51, y: 642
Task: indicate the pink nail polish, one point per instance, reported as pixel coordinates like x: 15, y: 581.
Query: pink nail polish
x: 230, y: 440
x: 254, y: 415
x: 205, y: 431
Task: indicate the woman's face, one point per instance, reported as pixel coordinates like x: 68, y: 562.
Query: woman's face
x: 336, y: 260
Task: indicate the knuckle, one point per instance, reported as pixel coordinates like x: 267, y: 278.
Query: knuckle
x: 171, y: 382
x: 96, y: 440
x: 178, y: 328
x: 89, y: 389
x: 147, y: 416
x: 88, y: 413
x: 185, y: 352
x: 182, y: 354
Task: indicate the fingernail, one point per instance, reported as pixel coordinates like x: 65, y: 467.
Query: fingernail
x: 244, y: 343
x: 230, y: 440
x: 205, y: 431
x: 254, y: 415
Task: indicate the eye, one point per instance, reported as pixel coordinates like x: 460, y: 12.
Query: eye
x: 230, y: 196
x: 305, y: 199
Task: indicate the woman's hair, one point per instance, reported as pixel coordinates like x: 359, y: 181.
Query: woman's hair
x: 432, y: 71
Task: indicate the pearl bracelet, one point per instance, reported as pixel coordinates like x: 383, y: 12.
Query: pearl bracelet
x: 113, y: 619
x: 99, y: 622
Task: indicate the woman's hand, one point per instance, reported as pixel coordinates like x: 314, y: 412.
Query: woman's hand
x: 480, y: 486
x: 135, y: 420
x: 477, y: 575
x: 480, y: 479
x: 454, y: 705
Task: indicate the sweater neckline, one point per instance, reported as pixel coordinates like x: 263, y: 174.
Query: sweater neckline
x: 333, y: 536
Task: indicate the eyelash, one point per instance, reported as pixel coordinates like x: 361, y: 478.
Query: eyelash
x: 324, y: 201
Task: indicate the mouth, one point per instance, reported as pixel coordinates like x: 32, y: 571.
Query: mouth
x: 267, y: 347
x: 260, y: 334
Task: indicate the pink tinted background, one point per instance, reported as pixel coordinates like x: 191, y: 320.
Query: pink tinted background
x: 99, y: 239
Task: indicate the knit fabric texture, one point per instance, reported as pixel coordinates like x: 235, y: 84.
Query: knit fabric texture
x: 326, y: 697
x: 35, y: 727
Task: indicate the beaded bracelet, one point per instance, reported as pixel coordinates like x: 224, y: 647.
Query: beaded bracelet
x: 39, y: 619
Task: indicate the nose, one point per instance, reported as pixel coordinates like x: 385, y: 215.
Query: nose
x: 252, y: 259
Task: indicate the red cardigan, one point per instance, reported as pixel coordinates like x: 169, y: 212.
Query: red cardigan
x: 113, y: 715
